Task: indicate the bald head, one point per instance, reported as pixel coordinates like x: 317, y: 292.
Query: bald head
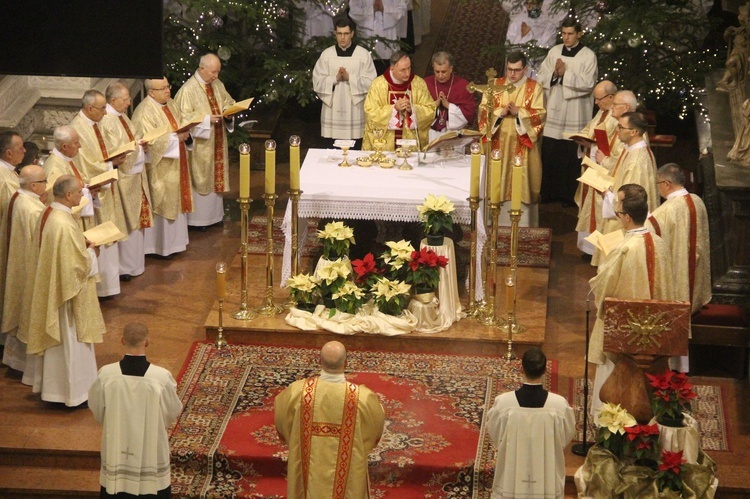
x: 625, y: 102
x: 604, y: 93
x: 32, y: 178
x: 333, y: 357
x: 209, y: 68
x: 158, y: 90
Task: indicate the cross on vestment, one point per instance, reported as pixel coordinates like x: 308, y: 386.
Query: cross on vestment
x: 528, y: 481
x: 127, y: 453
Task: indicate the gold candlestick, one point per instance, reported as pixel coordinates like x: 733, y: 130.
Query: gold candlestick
x: 489, y: 318
x: 221, y: 293
x: 474, y: 307
x: 512, y: 326
x: 269, y: 308
x: 244, y: 313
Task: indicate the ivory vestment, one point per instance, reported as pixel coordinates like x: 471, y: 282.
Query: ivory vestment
x: 518, y: 137
x: 135, y: 412
x: 330, y: 428
x: 685, y: 230
x: 380, y: 112
x: 8, y: 186
x: 55, y: 166
x: 342, y: 115
x: 530, y: 443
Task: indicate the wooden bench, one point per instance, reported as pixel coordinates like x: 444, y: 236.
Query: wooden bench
x: 721, y: 340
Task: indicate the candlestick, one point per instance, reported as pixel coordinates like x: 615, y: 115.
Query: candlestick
x: 512, y: 326
x: 269, y: 307
x: 516, y: 184
x: 476, y: 152
x: 489, y: 317
x: 221, y: 293
x: 473, y: 309
x: 495, y: 176
x: 244, y: 171
x: 244, y: 314
x: 294, y: 142
x: 270, y: 167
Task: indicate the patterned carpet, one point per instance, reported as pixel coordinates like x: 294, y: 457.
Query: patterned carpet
x: 225, y: 444
x: 708, y: 409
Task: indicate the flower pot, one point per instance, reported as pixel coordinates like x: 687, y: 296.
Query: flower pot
x: 435, y: 239
x: 425, y: 297
x: 306, y: 307
x: 677, y: 422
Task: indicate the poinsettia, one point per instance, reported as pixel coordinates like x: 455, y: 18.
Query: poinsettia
x: 642, y: 441
x: 672, y: 393
x: 613, y: 420
x: 390, y: 295
x: 396, y: 258
x: 425, y: 265
x: 348, y: 298
x: 337, y: 238
x: 333, y: 276
x: 366, y: 270
x: 304, y: 287
x: 670, y: 471
x: 435, y: 213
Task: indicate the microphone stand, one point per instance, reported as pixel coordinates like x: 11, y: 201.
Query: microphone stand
x: 416, y: 124
x: 583, y: 448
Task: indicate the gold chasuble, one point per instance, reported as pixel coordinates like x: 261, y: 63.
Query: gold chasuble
x: 209, y: 161
x: 8, y: 187
x: 330, y: 428
x: 518, y: 137
x: 62, y: 278
x: 56, y: 166
x: 168, y: 178
x: 380, y: 113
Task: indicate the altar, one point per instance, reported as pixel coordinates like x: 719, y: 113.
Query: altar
x: 375, y: 193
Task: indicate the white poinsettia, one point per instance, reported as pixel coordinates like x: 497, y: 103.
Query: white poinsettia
x: 337, y: 231
x: 348, y: 289
x: 435, y: 213
x: 614, y: 418
x: 400, y: 253
x: 303, y: 282
x: 388, y: 289
x: 435, y: 203
x: 335, y: 270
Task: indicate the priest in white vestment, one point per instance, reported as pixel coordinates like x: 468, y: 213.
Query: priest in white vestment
x: 65, y: 320
x: 203, y: 97
x: 94, y: 154
x: 11, y: 155
x: 530, y: 428
x: 132, y: 184
x: 313, y: 417
x: 568, y: 75
x: 23, y: 211
x: 135, y: 401
x: 623, y: 102
x: 168, y: 171
x: 341, y: 78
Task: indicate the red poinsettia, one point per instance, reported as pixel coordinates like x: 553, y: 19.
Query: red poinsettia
x: 672, y: 393
x: 425, y: 265
x: 642, y: 440
x: 670, y: 471
x: 366, y: 270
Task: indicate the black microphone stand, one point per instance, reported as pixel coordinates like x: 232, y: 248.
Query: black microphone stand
x: 583, y: 448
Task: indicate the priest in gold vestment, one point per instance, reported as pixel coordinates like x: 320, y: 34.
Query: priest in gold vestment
x: 330, y: 425
x: 11, y: 155
x: 517, y: 123
x: 399, y: 103
x: 24, y: 209
x: 167, y: 170
x: 65, y: 320
x: 132, y: 184
x: 203, y: 97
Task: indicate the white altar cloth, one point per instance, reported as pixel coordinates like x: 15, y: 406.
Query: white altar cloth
x: 374, y: 193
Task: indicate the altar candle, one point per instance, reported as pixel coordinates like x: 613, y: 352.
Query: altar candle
x: 270, y: 167
x: 294, y: 142
x: 244, y: 171
x: 475, y: 159
x: 221, y: 280
x: 495, y: 177
x: 516, y: 185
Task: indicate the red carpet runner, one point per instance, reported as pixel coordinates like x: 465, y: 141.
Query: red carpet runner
x: 225, y: 443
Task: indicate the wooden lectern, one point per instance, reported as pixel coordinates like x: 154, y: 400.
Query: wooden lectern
x: 642, y: 334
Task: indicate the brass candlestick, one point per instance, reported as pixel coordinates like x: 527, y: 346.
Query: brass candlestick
x: 269, y: 308
x: 511, y: 285
x: 294, y: 195
x: 489, y: 317
x: 220, y: 341
x: 244, y: 313
x: 474, y: 307
x: 221, y: 293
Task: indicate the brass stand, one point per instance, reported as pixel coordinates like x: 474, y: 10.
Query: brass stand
x: 294, y: 195
x: 489, y: 318
x: 269, y: 308
x: 220, y: 342
x: 474, y: 307
x: 244, y: 313
x: 513, y: 327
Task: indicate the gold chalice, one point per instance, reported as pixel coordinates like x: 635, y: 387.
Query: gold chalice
x: 406, y: 145
x: 379, y: 143
x: 344, y: 145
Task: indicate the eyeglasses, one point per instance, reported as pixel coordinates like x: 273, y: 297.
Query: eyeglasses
x: 620, y: 127
x: 168, y: 87
x: 103, y: 108
x: 619, y: 213
x: 515, y: 70
x: 619, y: 104
x: 341, y: 33
x: 662, y: 182
x: 44, y: 181
x: 599, y: 99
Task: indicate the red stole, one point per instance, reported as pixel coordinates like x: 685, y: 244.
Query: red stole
x: 586, y: 188
x: 144, y: 217
x: 126, y: 127
x: 218, y: 141
x: 648, y: 240
x: 186, y: 196
x: 100, y: 139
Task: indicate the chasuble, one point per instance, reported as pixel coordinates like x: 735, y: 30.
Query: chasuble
x: 55, y: 166
x: 8, y: 186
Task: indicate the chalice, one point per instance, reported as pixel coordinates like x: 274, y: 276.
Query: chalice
x: 344, y: 145
x: 406, y: 145
x: 379, y: 143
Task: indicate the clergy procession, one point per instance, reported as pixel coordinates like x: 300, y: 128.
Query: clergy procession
x: 140, y: 170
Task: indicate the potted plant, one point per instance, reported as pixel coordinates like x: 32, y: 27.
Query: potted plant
x: 390, y: 296
x: 332, y: 277
x: 435, y: 215
x: 613, y: 420
x: 396, y: 259
x: 366, y: 271
x: 425, y: 267
x: 337, y: 238
x: 305, y: 290
x: 347, y: 299
x: 669, y: 476
x: 641, y: 444
x: 670, y: 397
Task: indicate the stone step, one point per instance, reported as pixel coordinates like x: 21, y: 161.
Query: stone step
x: 50, y: 458
x: 43, y: 482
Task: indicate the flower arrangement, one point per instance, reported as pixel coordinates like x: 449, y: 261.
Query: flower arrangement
x: 613, y: 420
x: 435, y: 213
x: 348, y: 298
x: 337, y: 238
x: 391, y: 296
x: 397, y: 257
x: 333, y: 276
x: 304, y: 288
x: 642, y: 442
x: 670, y: 471
x: 671, y: 394
x: 425, y: 265
x: 366, y: 271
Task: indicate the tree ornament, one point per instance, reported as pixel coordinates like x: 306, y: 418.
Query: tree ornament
x: 608, y: 48
x: 602, y: 6
x: 635, y: 41
x: 217, y: 22
x: 282, y: 12
x: 224, y: 53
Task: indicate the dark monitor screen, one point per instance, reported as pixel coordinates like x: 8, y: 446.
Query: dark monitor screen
x: 103, y: 38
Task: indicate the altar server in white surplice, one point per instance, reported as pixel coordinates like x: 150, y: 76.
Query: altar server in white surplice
x: 66, y: 319
x: 94, y: 152
x: 167, y: 170
x: 341, y: 78
x: 530, y: 427
x: 203, y: 97
x: 23, y: 211
x: 135, y: 401
x: 132, y: 184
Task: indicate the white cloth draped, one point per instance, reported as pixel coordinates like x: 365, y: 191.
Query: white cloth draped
x: 166, y: 237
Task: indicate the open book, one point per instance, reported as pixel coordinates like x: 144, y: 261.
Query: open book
x: 156, y: 133
x: 105, y: 178
x: 596, y: 176
x: 187, y: 126
x: 600, y: 139
x: 125, y: 148
x: 105, y: 233
x: 605, y: 242
x: 457, y: 138
x: 237, y: 107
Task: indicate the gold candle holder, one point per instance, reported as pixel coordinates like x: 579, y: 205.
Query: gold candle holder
x: 474, y: 307
x: 512, y: 326
x: 489, y: 317
x: 244, y: 313
x: 269, y: 308
x: 221, y: 293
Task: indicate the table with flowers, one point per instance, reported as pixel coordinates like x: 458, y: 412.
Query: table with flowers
x: 374, y: 193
